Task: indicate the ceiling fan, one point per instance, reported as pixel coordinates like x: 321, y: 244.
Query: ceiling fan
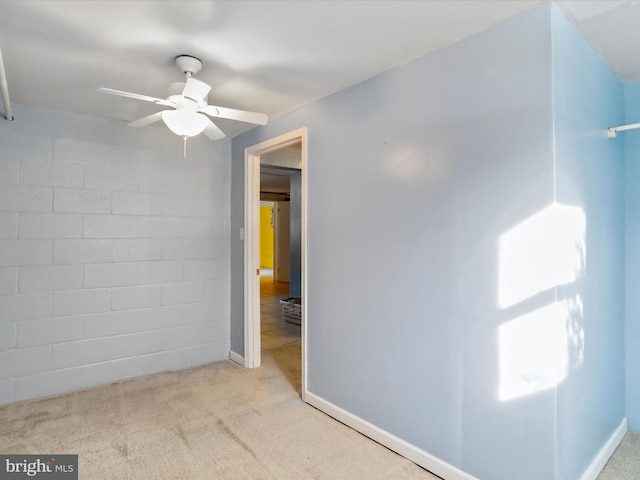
x: 189, y: 112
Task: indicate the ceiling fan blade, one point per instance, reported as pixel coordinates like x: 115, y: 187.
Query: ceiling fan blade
x: 148, y: 120
x: 213, y: 132
x: 233, y: 114
x: 135, y: 96
x: 195, y: 89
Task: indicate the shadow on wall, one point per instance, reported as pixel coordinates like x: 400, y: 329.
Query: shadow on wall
x: 541, y: 258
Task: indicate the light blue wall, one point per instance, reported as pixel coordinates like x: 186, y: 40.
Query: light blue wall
x: 455, y: 151
x: 450, y: 151
x: 632, y: 332
x: 588, y: 98
x: 236, y: 247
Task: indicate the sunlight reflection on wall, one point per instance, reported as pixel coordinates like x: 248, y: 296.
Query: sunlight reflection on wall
x: 535, y: 349
x: 542, y: 252
x: 538, y: 349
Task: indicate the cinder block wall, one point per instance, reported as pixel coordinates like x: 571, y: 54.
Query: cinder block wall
x: 114, y: 252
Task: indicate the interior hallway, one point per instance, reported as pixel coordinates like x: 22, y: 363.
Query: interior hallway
x: 275, y: 332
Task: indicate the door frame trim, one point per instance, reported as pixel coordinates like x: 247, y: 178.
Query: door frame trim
x: 252, y: 244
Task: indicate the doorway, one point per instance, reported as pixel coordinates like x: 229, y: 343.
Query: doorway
x: 252, y: 324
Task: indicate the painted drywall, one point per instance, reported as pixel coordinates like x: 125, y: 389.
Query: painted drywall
x: 588, y: 98
x: 114, y: 252
x: 631, y: 141
x: 453, y: 151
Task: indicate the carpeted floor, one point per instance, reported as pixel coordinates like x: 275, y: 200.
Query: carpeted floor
x: 624, y: 464
x: 215, y: 422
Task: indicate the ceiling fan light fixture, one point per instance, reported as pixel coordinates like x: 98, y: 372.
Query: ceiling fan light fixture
x: 192, y: 110
x: 185, y: 123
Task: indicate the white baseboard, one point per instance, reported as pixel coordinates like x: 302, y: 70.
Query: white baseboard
x: 433, y: 463
x: 416, y: 455
x: 600, y: 460
x: 234, y: 357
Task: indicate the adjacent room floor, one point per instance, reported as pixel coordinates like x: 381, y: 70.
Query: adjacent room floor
x: 275, y: 331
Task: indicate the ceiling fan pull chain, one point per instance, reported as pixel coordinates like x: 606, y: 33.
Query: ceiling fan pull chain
x: 184, y: 152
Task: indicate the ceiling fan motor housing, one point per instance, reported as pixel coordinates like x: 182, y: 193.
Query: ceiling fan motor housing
x: 175, y: 88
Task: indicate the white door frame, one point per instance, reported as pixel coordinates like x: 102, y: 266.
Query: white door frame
x: 252, y: 244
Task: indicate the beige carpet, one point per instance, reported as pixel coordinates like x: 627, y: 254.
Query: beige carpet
x: 215, y: 422
x: 624, y: 464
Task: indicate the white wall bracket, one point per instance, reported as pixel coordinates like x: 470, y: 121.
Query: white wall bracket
x: 613, y: 131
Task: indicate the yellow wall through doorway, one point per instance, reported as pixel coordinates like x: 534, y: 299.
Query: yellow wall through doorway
x: 266, y: 237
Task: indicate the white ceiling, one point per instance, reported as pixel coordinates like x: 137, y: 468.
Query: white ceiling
x: 266, y: 56
x: 612, y: 27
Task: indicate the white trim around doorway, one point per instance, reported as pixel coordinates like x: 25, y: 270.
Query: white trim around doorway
x: 252, y: 245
